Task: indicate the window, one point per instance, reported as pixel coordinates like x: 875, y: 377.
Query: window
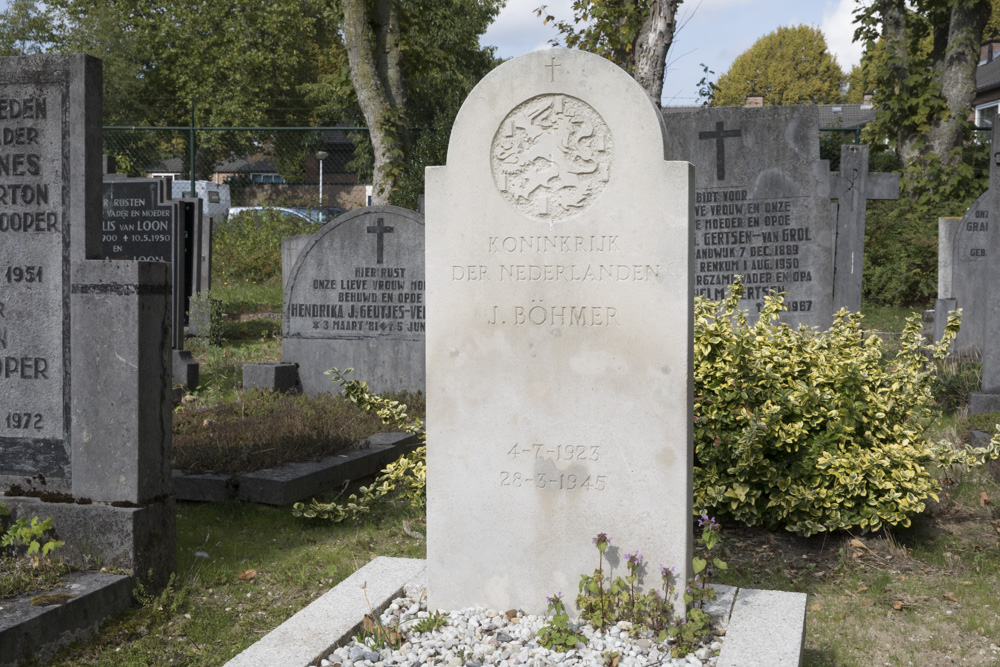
x: 986, y: 114
x: 266, y: 178
x: 213, y: 196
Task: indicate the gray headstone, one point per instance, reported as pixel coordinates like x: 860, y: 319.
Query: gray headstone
x: 762, y: 206
x: 47, y: 110
x: 852, y: 187
x: 559, y: 352
x: 354, y: 298
x: 83, y: 343
x: 963, y: 273
x: 991, y: 343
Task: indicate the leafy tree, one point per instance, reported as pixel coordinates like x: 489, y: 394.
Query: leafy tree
x: 415, y: 77
x: 788, y: 66
x: 633, y: 34
x: 925, y: 85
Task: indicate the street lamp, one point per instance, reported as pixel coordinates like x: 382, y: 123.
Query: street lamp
x: 321, y: 155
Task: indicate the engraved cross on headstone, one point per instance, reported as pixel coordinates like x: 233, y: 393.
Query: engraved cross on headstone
x: 379, y: 229
x: 552, y: 68
x: 720, y: 135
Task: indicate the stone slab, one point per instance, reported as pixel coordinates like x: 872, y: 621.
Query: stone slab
x: 766, y: 629
x: 313, y: 632
x: 298, y: 481
x: 980, y: 402
x: 38, y: 632
x: 281, y: 377
x: 721, y: 607
x: 206, y: 487
x: 185, y: 368
x: 293, y: 482
x: 134, y: 539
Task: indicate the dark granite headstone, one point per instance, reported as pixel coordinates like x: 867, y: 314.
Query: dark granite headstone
x: 137, y: 223
x: 762, y: 205
x: 354, y: 298
x: 141, y: 223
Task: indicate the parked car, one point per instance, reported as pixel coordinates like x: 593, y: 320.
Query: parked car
x: 284, y: 210
x: 318, y: 215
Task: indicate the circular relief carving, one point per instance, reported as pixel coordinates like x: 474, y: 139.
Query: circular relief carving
x: 551, y: 157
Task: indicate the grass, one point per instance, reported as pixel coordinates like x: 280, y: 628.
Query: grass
x: 886, y: 318
x: 923, y: 595
x: 242, y: 571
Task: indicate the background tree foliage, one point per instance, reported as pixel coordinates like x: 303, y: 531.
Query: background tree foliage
x: 634, y: 34
x: 788, y: 66
x: 285, y: 62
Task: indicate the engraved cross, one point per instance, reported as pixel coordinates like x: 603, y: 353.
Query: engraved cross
x: 552, y: 68
x: 720, y: 135
x: 380, y: 230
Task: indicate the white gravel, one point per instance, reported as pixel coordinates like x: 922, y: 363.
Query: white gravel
x: 479, y: 637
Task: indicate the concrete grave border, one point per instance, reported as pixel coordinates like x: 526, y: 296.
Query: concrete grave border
x: 762, y: 628
x: 38, y: 632
x: 293, y: 482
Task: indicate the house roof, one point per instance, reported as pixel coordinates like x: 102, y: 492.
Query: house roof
x: 988, y: 75
x: 847, y: 116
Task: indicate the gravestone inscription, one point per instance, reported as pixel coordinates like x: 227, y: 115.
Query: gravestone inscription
x: 354, y: 298
x: 136, y: 223
x: 34, y: 265
x: 84, y: 383
x: 559, y: 256
x: 762, y: 206
x: 963, y: 267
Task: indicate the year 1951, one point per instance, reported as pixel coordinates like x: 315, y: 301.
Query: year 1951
x: 24, y: 274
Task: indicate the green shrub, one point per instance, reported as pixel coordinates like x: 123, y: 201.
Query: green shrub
x: 813, y: 431
x: 246, y: 248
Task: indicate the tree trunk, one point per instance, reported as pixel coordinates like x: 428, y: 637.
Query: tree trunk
x: 954, y: 59
x: 370, y: 79
x: 652, y: 44
x: 957, y: 72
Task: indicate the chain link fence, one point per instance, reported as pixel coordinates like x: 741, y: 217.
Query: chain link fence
x: 276, y: 166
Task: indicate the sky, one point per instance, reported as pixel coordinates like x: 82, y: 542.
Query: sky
x: 713, y: 32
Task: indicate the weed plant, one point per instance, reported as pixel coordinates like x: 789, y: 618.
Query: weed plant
x: 26, y: 564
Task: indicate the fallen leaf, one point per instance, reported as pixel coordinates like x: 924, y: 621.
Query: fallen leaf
x: 247, y: 575
x: 950, y: 596
x: 857, y: 544
x: 861, y: 589
x: 897, y: 605
x: 866, y: 603
x: 984, y: 499
x: 966, y: 583
x: 816, y: 607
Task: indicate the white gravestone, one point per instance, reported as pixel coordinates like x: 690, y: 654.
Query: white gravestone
x: 559, y: 336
